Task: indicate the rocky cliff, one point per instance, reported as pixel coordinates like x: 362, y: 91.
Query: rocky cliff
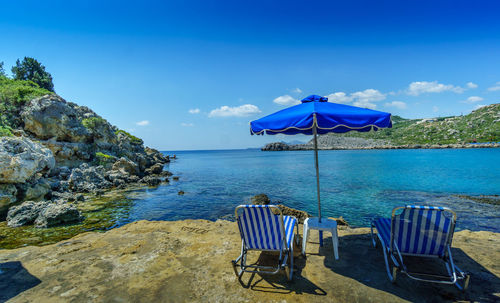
x: 55, y: 149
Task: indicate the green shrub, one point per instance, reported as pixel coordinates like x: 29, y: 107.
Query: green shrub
x: 104, y: 159
x: 13, y: 95
x: 133, y: 139
x: 5, y: 131
x: 19, y: 91
x: 93, y: 122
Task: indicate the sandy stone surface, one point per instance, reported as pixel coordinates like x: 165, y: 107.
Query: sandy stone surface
x: 190, y: 260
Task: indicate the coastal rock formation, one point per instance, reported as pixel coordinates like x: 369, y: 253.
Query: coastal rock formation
x: 42, y: 214
x: 37, y: 191
x: 62, y: 148
x: 21, y: 159
x: 151, y: 180
x: 52, y: 117
x: 126, y: 166
x: 88, y: 178
x: 25, y: 214
x: 336, y: 142
x: 69, y: 153
x: 155, y: 169
x: 299, y: 214
x: 166, y: 261
x: 277, y: 146
x: 8, y: 196
x: 58, y: 214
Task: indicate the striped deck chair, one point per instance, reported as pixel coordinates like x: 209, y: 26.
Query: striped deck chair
x: 261, y: 229
x: 422, y: 231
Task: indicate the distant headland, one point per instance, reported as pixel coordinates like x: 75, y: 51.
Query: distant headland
x: 479, y: 129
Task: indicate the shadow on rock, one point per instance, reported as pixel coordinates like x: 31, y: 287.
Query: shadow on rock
x: 364, y: 263
x: 14, y: 279
x: 278, y: 283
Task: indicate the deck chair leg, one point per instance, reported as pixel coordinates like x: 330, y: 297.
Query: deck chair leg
x: 457, y: 273
x: 289, y: 267
x: 465, y: 284
x: 242, y: 261
x: 390, y: 273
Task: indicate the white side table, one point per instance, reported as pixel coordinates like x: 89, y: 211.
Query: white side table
x: 325, y: 225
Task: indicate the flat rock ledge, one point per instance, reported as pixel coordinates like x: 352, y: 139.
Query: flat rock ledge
x: 186, y: 261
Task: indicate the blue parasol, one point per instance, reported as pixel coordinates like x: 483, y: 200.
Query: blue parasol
x: 317, y: 116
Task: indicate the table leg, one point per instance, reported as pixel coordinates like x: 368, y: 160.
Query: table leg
x: 321, y: 238
x: 335, y: 242
x: 306, y: 234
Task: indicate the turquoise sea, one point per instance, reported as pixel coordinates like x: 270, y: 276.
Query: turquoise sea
x: 355, y: 184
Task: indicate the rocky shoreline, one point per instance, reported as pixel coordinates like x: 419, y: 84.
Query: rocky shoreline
x: 346, y: 143
x: 61, y: 153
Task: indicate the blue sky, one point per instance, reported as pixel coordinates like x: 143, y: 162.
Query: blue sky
x: 192, y: 74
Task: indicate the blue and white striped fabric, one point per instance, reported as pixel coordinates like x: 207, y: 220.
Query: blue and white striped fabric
x: 383, y: 226
x: 261, y: 229
x: 418, y: 230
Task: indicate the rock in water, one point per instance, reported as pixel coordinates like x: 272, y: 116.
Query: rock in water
x: 25, y: 213
x: 341, y: 222
x: 276, y: 146
x: 263, y: 199
x: 58, y: 214
x: 151, y: 181
x: 260, y: 199
x: 156, y: 169
x: 21, y: 159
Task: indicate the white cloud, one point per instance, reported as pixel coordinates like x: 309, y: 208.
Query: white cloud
x: 286, y: 100
x: 368, y: 95
x: 194, y: 111
x: 435, y: 109
x: 361, y: 98
x: 297, y: 90
x: 473, y: 99
x: 421, y: 87
x: 396, y: 104
x: 471, y: 85
x: 495, y: 87
x: 339, y: 97
x: 239, y: 111
x: 187, y: 124
x: 479, y: 106
x: 365, y: 104
x: 142, y: 123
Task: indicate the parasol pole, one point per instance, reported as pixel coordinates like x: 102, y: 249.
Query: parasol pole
x: 315, y: 133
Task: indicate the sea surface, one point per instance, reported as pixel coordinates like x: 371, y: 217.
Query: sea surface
x: 356, y: 184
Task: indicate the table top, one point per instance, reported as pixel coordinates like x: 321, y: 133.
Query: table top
x: 313, y: 222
